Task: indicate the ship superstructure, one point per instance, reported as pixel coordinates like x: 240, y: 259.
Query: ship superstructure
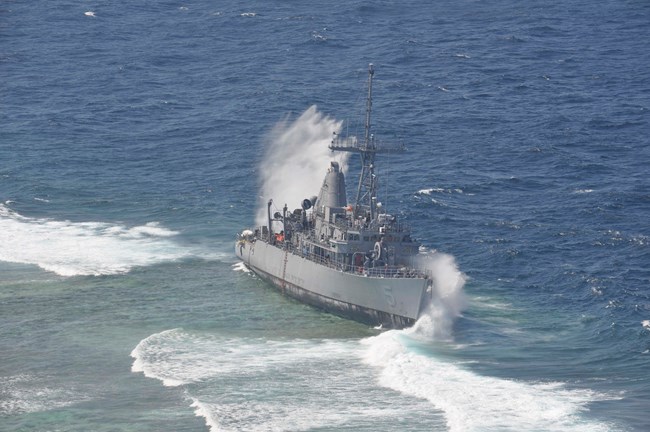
x: 351, y: 259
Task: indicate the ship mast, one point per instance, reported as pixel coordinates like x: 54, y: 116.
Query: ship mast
x: 367, y: 188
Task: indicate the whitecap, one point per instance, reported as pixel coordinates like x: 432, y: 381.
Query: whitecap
x: 150, y: 229
x: 27, y: 393
x: 438, y: 203
x: 596, y: 291
x: 202, y: 409
x: 85, y: 248
x: 240, y: 266
x: 439, y: 190
x: 90, y: 14
x: 241, y: 383
x: 151, y: 354
x: 475, y: 402
x: 318, y: 36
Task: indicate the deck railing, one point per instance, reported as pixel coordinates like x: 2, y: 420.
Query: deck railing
x: 384, y: 271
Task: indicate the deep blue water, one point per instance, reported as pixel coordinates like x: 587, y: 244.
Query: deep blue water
x: 132, y: 142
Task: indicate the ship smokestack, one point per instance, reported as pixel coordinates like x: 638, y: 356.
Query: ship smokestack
x: 332, y: 193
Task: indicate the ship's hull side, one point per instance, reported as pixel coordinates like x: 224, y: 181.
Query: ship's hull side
x: 389, y: 302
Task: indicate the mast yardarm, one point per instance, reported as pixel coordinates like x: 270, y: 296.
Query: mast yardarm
x: 367, y: 188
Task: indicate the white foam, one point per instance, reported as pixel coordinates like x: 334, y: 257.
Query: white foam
x: 152, y: 357
x: 281, y: 385
x: 163, y: 355
x: 296, y: 160
x: 583, y: 191
x: 469, y: 401
x: 439, y: 190
x: 240, y: 266
x: 440, y: 203
x: 484, y: 302
x: 242, y: 384
x: 271, y: 385
x: 84, y: 248
x: 27, y: 394
x: 472, y: 402
x: 90, y: 14
x: 206, y: 411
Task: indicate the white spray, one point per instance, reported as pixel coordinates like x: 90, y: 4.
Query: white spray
x: 448, y: 299
x: 296, y: 160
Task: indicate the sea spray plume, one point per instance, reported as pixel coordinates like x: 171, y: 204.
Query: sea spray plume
x: 296, y: 159
x: 447, y: 300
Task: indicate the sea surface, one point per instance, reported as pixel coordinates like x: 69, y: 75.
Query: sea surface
x: 138, y: 138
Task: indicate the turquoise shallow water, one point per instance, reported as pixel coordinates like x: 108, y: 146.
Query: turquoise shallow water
x: 134, y: 144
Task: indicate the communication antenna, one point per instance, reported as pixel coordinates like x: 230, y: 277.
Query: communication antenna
x: 367, y: 149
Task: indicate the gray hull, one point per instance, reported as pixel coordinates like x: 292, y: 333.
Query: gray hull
x: 389, y: 302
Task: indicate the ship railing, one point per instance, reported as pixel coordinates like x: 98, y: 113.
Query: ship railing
x: 383, y: 271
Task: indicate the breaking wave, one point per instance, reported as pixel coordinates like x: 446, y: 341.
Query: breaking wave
x: 84, y: 248
x: 239, y: 384
x: 472, y: 402
x: 448, y: 299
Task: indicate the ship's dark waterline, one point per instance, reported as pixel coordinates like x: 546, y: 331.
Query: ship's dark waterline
x: 344, y: 309
x: 136, y: 141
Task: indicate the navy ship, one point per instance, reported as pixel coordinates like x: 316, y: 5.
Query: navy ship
x: 352, y: 259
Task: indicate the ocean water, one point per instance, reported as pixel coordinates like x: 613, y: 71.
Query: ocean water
x: 138, y: 138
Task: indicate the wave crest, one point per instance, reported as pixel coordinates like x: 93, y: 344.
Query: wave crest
x: 84, y: 248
